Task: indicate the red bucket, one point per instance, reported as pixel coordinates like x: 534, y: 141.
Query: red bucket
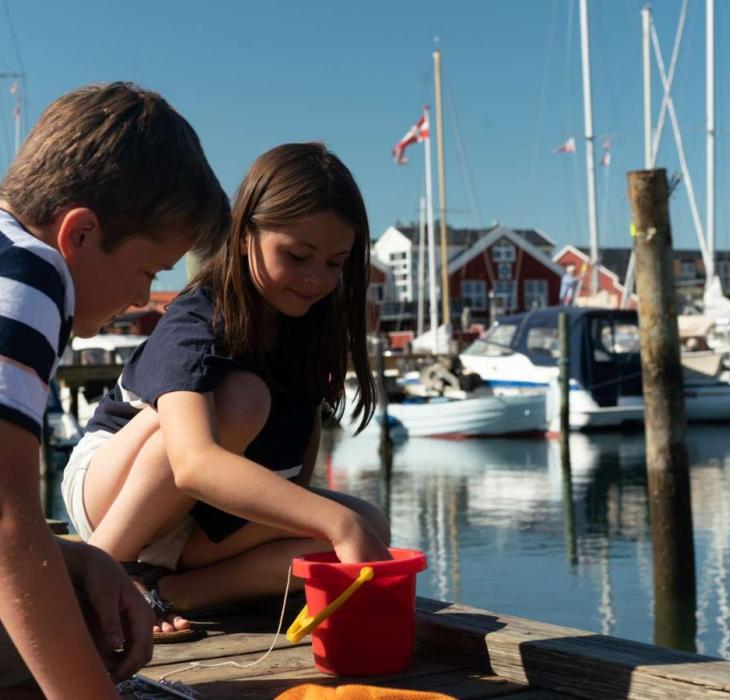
x: 361, y: 616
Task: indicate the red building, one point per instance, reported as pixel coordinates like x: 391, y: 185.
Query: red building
x: 610, y: 287
x: 507, y: 268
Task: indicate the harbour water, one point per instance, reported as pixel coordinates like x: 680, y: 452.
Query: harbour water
x: 503, y: 531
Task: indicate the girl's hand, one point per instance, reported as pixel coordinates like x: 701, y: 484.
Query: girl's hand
x: 358, y: 542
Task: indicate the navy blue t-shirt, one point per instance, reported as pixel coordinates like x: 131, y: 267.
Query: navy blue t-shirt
x: 183, y: 354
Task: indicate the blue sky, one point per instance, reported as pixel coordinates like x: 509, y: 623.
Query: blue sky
x: 250, y: 75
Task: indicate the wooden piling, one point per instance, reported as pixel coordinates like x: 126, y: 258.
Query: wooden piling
x: 664, y: 415
x: 564, y: 372
x: 564, y: 382
x: 386, y: 445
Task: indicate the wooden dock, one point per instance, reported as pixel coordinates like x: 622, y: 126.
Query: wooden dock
x: 462, y: 652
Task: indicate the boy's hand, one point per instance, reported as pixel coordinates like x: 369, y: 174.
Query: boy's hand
x: 357, y: 541
x: 123, y: 618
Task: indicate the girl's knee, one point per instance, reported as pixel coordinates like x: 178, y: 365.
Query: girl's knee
x: 243, y: 403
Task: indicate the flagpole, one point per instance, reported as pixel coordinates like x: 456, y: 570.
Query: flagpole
x: 421, y: 263
x: 710, y: 220
x: 432, y: 299
x: 446, y: 304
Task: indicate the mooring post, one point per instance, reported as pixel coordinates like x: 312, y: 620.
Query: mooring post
x: 564, y: 381
x: 564, y: 372
x: 382, y: 397
x: 667, y: 463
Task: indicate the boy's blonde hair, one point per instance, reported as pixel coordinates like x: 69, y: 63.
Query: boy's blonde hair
x: 123, y: 152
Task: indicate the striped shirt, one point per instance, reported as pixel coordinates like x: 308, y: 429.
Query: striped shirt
x: 36, y: 313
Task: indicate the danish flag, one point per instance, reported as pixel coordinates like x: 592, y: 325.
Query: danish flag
x: 417, y: 133
x: 567, y: 147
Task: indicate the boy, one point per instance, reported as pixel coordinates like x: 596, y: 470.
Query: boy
x: 110, y: 187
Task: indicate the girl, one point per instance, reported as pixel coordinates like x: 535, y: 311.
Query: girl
x: 194, y: 470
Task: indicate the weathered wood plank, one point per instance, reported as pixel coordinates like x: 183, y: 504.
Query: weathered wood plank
x: 540, y: 695
x: 455, y: 682
x: 566, y: 660
x: 217, y: 645
x: 234, y: 666
x: 230, y: 630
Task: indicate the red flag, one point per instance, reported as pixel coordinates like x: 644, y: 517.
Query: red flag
x: 567, y: 147
x: 417, y: 133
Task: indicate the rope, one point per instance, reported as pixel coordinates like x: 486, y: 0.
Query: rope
x: 197, y: 664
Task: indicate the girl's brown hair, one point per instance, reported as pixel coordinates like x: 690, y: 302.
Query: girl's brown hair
x: 285, y: 185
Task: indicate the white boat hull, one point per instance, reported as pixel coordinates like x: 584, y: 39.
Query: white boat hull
x: 461, y: 418
x: 705, y: 401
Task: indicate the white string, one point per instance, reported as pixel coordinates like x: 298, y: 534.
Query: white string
x: 197, y: 664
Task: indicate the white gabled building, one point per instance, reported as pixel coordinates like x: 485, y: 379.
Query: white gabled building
x: 398, y: 252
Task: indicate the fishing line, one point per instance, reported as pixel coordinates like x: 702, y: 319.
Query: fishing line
x: 198, y: 664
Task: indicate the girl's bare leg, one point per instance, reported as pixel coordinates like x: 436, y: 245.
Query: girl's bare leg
x: 250, y: 563
x: 129, y: 492
x: 130, y: 476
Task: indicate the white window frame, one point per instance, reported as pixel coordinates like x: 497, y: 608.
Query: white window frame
x: 535, y: 290
x: 504, y: 251
x: 474, y: 294
x: 506, y: 290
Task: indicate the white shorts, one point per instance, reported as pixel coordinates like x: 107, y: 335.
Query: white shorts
x: 164, y: 552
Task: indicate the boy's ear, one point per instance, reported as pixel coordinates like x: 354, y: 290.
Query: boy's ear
x: 76, y: 229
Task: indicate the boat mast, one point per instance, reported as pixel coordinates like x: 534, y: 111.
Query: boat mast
x: 590, y: 160
x: 446, y: 304
x: 648, y: 135
x: 646, y: 60
x: 421, y: 261
x: 710, y: 222
x: 432, y: 299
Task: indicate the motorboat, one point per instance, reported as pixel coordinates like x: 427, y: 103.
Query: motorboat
x: 521, y: 352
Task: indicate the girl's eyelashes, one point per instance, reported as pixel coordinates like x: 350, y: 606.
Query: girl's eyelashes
x: 297, y: 258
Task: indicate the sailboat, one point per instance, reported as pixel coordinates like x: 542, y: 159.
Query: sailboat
x: 438, y: 401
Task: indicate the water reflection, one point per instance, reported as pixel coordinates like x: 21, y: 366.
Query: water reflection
x: 495, y: 519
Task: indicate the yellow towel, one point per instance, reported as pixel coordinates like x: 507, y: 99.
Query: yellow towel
x: 309, y: 691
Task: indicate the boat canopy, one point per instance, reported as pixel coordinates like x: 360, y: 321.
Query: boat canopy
x: 604, y: 346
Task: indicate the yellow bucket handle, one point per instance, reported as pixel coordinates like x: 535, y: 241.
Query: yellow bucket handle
x: 304, y: 624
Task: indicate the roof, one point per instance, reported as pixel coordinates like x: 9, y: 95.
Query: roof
x: 616, y: 260
x: 535, y: 237
x: 492, y: 237
x: 455, y: 236
x: 468, y: 236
